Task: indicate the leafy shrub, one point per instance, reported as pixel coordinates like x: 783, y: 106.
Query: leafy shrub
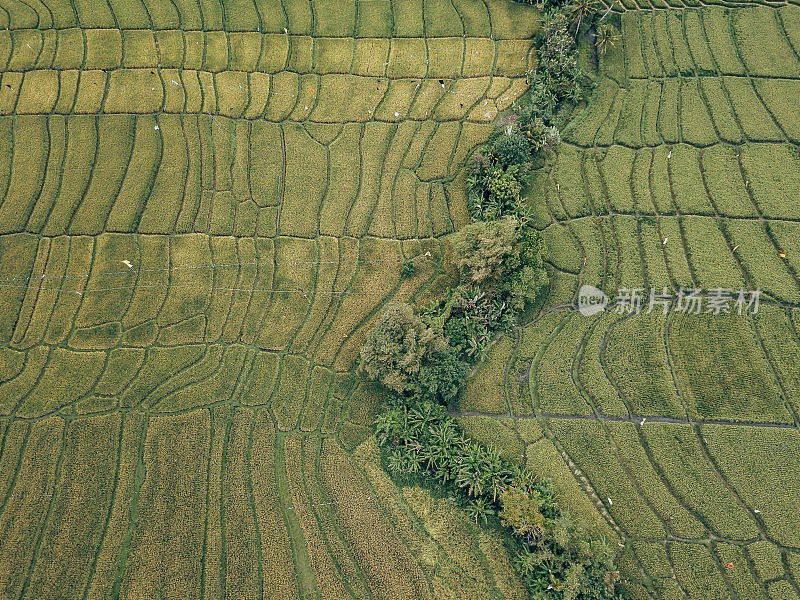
x: 510, y: 146
x: 484, y: 251
x: 558, y: 77
x: 521, y: 514
x: 494, y: 191
x: 567, y: 565
x: 395, y: 347
x: 442, y: 376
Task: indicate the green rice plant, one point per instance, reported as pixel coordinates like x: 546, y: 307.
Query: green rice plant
x: 788, y: 18
x: 766, y: 558
x: 386, y: 562
x: 289, y: 397
x: 676, y: 517
x: 721, y: 109
x: 663, y: 44
x: 717, y: 26
x: 676, y: 450
x: 174, y: 448
x: 159, y: 365
x: 774, y: 329
x: 474, y: 18
x: 761, y: 259
x: 594, y: 453
x: 631, y: 269
x: 605, y: 133
x: 781, y: 589
x: 653, y: 558
x: 680, y: 48
x: 319, y: 386
x: 761, y: 42
x: 564, y: 254
x: 241, y: 539
x: 687, y: 181
x: 571, y: 185
x: 17, y: 388
x: 27, y: 44
x: 603, y: 99
x: 650, y: 109
x: 370, y: 55
x: 710, y: 256
x: 120, y: 369
x: 723, y: 177
x: 543, y: 457
x: 771, y: 174
x: 35, y: 476
x: 588, y: 233
x: 485, y: 389
x: 654, y: 257
x: 668, y: 121
x: 743, y: 582
x: 204, y: 384
x: 696, y: 38
x: 39, y: 92
x: 747, y: 456
x: 696, y: 571
x: 497, y: 433
x: 634, y: 59
x: 305, y: 170
x: 649, y: 52
x: 592, y: 373
x: 696, y: 126
x: 721, y: 370
x: 658, y: 182
x: 756, y: 122
x: 776, y: 94
x: 618, y: 160
x: 794, y: 563
x: 629, y: 127
x: 645, y: 383
x: 554, y: 387
x: 325, y: 573
x: 26, y: 173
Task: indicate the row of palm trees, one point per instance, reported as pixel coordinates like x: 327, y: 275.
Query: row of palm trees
x: 424, y: 439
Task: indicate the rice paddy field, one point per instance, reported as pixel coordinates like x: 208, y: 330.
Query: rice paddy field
x: 204, y: 206
x: 675, y: 435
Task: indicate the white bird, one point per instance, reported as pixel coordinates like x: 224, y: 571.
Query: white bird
x: 669, y: 155
x: 127, y: 263
x: 643, y: 420
x: 735, y: 247
x: 756, y: 511
x: 610, y: 502
x: 286, y: 31
x: 664, y: 243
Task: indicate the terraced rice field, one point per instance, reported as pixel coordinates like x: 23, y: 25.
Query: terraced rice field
x: 676, y: 435
x: 204, y: 205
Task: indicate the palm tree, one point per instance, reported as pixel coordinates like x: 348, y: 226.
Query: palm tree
x: 472, y: 473
x: 497, y: 474
x: 607, y: 37
x: 480, y: 508
x: 387, y: 426
x: 579, y: 10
